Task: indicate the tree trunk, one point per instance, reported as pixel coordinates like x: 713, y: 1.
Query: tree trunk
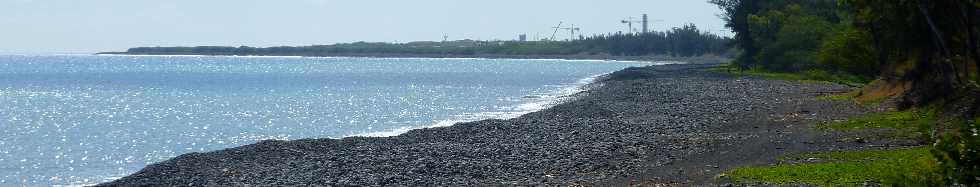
x: 969, y: 13
x: 743, y: 34
x: 882, y: 52
x: 936, y: 33
x: 972, y: 31
x: 945, y: 66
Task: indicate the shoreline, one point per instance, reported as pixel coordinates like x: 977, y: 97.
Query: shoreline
x: 551, y: 94
x: 557, y: 98
x: 694, y: 59
x: 637, y: 121
x: 566, y: 93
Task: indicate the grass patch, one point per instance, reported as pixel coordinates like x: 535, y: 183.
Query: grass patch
x: 902, y: 167
x: 849, y: 96
x: 730, y: 70
x: 898, y: 125
x: 809, y: 76
x: 910, y: 119
x: 855, y: 97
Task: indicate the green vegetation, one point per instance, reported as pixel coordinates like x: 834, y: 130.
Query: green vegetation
x: 915, y: 167
x: 959, y: 154
x: 952, y: 161
x: 906, y: 167
x: 812, y: 76
x: 916, y: 40
x: 683, y: 41
x: 796, y: 36
x: 900, y: 120
x: 922, y: 52
x: 849, y: 96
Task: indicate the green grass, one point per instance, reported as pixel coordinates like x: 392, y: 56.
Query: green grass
x: 975, y: 79
x: 726, y: 69
x: 894, y: 125
x: 809, y: 76
x: 849, y: 96
x: 902, y: 167
x: 911, y: 119
x: 853, y: 97
x: 905, y: 167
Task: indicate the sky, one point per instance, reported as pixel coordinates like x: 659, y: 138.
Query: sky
x: 87, y: 26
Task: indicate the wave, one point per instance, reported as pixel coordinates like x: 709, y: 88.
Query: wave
x: 536, y: 103
x: 218, y: 56
x: 398, y: 58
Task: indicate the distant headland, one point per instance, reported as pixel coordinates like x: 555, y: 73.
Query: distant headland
x: 685, y: 41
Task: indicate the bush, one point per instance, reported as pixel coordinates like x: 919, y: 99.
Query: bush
x: 820, y: 75
x: 959, y: 154
x: 851, y: 51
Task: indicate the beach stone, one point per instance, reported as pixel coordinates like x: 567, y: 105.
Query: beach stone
x: 627, y: 122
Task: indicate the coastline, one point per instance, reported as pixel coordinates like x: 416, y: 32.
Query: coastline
x: 637, y: 121
x: 555, y: 98
x: 693, y: 60
x: 566, y: 93
x: 418, y: 89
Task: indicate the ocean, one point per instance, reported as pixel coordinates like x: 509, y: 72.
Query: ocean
x: 85, y: 119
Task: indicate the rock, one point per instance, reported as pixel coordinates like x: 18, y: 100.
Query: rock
x: 630, y: 118
x: 860, y: 140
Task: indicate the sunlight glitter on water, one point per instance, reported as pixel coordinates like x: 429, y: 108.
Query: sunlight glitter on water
x: 69, y: 120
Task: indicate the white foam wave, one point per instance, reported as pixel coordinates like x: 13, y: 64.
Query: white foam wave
x: 537, y: 103
x: 223, y: 56
x: 404, y: 58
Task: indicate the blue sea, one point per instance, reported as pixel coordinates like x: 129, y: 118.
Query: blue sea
x: 85, y: 119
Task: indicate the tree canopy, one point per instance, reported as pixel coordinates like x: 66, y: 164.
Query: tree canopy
x: 683, y: 41
x: 927, y: 50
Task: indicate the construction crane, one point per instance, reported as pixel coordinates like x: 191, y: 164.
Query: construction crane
x: 572, y: 29
x: 629, y: 23
x: 556, y: 30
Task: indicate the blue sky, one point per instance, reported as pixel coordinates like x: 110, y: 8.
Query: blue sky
x: 84, y: 26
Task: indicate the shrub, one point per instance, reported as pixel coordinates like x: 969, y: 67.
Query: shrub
x: 851, y: 51
x: 959, y: 154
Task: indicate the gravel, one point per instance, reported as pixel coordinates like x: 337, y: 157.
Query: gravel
x: 629, y: 123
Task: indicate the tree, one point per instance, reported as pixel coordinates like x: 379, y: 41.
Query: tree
x: 736, y: 15
x: 940, y: 50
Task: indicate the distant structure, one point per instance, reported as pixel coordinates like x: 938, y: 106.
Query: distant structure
x: 629, y: 24
x: 522, y: 37
x: 556, y: 30
x: 572, y: 29
x: 445, y: 37
x: 645, y: 23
